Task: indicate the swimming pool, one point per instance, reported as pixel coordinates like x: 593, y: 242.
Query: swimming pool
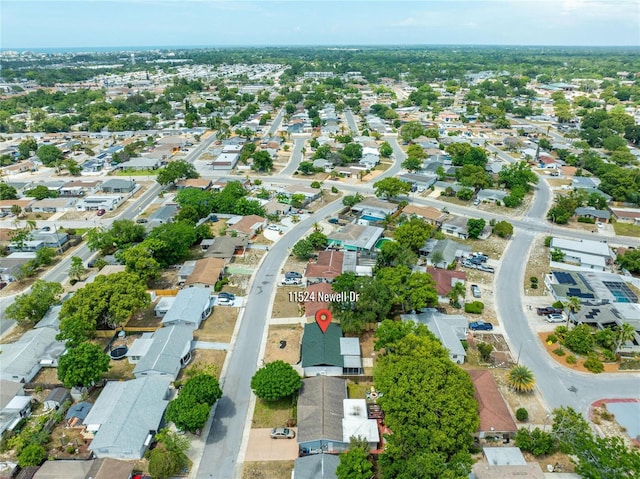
x: 381, y: 241
x: 371, y: 218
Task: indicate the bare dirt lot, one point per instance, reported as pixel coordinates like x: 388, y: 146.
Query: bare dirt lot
x: 292, y: 334
x: 531, y: 402
x: 284, y: 306
x: 537, y: 266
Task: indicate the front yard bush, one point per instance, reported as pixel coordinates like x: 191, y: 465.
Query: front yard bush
x: 537, y: 442
x: 552, y: 338
x: 559, y: 352
x: 580, y: 339
x: 522, y: 414
x: 571, y: 359
x: 475, y: 307
x: 594, y: 364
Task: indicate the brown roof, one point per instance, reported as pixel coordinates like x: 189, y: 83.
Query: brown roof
x: 108, y: 468
x: 492, y: 409
x: 200, y: 183
x: 328, y: 265
x: 207, y: 271
x: 444, y: 277
x: 247, y: 225
x: 426, y: 212
x: 568, y: 170
x: 10, y: 203
x: 312, y: 307
x: 5, y: 234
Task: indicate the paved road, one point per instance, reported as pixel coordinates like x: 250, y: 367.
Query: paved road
x: 219, y: 460
x: 351, y: 121
x: 276, y: 123
x: 296, y: 155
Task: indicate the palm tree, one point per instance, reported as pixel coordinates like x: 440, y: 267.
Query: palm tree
x: 455, y: 293
x: 437, y: 258
x: 573, y: 306
x: 521, y: 379
x: 625, y: 333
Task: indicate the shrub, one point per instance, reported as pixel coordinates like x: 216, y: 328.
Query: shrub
x: 594, y: 364
x: 547, y: 241
x: 558, y: 304
x: 334, y: 189
x: 580, y: 339
x: 609, y: 355
x: 537, y: 442
x: 485, y: 351
x: 571, y: 359
x: 474, y: 307
x: 561, y: 332
x: 315, y: 184
x: 553, y: 338
x: 32, y: 455
x: 584, y: 219
x: 522, y: 414
x: 559, y: 352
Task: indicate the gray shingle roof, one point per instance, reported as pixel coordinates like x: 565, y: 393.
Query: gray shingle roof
x: 169, y: 345
x: 19, y: 358
x: 317, y: 466
x: 188, y: 307
x: 320, y: 409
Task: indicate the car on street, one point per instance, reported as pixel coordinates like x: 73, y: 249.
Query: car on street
x: 556, y: 318
x: 282, y: 433
x: 548, y: 310
x: 291, y: 281
x: 273, y: 228
x: 480, y: 326
x: 475, y: 291
x: 292, y: 274
x: 142, y: 220
x: 101, y: 211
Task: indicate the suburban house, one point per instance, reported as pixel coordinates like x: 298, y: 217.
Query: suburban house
x: 590, y: 212
x: 14, y: 405
x: 126, y: 416
x: 374, y: 209
x: 506, y: 462
x: 79, y: 187
x: 329, y: 353
x: 585, y: 253
x: 53, y: 205
x: 450, y: 329
x: 118, y: 185
x: 224, y: 247
x: 23, y: 359
x: 591, y: 287
x: 420, y: 181
x: 97, y: 202
x: 7, y: 205
x: 11, y: 266
x: 325, y: 268
x: 491, y: 196
x: 141, y: 163
x: 353, y: 237
x: 612, y: 316
x: 206, y: 272
x: 105, y: 468
x: 431, y: 215
x: 495, y: 418
x: 457, y: 226
x: 320, y: 413
x: 191, y: 307
x: 445, y: 280
x: 316, y: 466
x: 309, y: 193
x: 225, y: 161
x: 163, y: 352
x: 249, y: 226
x: 356, y: 423
x: 442, y: 253
x: 199, y: 183
x: 165, y: 213
x: 626, y: 215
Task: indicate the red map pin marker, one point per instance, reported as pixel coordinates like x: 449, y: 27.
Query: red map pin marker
x: 323, y: 318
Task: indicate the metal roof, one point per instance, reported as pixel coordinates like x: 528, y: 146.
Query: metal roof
x: 168, y: 346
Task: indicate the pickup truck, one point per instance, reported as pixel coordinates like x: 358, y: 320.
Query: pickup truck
x: 548, y: 310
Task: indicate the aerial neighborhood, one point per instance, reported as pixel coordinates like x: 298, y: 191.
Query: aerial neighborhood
x: 405, y: 263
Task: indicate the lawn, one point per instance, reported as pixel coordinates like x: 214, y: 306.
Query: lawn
x: 207, y: 360
x: 268, y: 470
x: 137, y: 173
x: 626, y: 229
x: 273, y: 413
x: 219, y: 326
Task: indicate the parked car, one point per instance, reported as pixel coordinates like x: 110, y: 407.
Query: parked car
x: 476, y: 202
x: 469, y: 264
x: 224, y: 294
x: 282, y: 433
x: 475, y: 291
x: 291, y: 281
x: 273, y: 227
x: 101, y: 211
x: 222, y: 301
x: 548, y: 310
x: 556, y: 318
x: 334, y: 221
x: 142, y: 220
x: 46, y: 228
x: 292, y: 274
x: 486, y: 269
x: 480, y: 326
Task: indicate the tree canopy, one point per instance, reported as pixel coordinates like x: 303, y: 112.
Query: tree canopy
x: 176, y: 170
x: 391, y: 187
x: 190, y: 410
x: 29, y: 308
x: 82, y: 365
x: 275, y: 380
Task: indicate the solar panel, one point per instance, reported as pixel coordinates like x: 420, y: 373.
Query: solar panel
x: 564, y: 278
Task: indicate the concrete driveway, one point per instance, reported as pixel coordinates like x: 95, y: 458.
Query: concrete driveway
x: 262, y: 448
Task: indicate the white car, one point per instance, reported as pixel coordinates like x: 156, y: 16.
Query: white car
x: 273, y: 227
x: 599, y: 225
x: 556, y: 318
x: 291, y: 281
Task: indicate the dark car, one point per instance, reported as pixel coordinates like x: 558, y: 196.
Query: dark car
x: 334, y: 221
x: 548, y: 310
x: 292, y: 274
x: 224, y: 294
x: 142, y: 220
x: 480, y: 326
x: 101, y: 211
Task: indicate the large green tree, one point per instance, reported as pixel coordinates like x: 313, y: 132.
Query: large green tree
x: 190, y: 410
x: 29, y: 308
x: 630, y: 260
x: 172, y: 241
x: 413, y: 233
x: 176, y: 170
x: 518, y: 174
x: 7, y: 192
x: 105, y: 303
x: 121, y: 234
x: 49, y: 154
x: 82, y: 365
x: 355, y: 464
x: 475, y: 227
x: 275, y: 380
x: 391, y: 187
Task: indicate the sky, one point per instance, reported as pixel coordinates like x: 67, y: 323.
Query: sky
x: 27, y: 24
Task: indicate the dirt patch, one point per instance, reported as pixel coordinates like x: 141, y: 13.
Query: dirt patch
x: 168, y: 279
x: 292, y: 334
x: 493, y: 246
x: 16, y: 333
x: 219, y: 326
x: 145, y: 318
x: 267, y: 470
x: 68, y: 443
x: 557, y: 182
x: 531, y: 402
x: 579, y: 366
x: 47, y: 376
x: 559, y: 461
x: 284, y: 306
x: 537, y: 266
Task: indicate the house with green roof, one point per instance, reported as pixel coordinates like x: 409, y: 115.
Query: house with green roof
x: 321, y: 351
